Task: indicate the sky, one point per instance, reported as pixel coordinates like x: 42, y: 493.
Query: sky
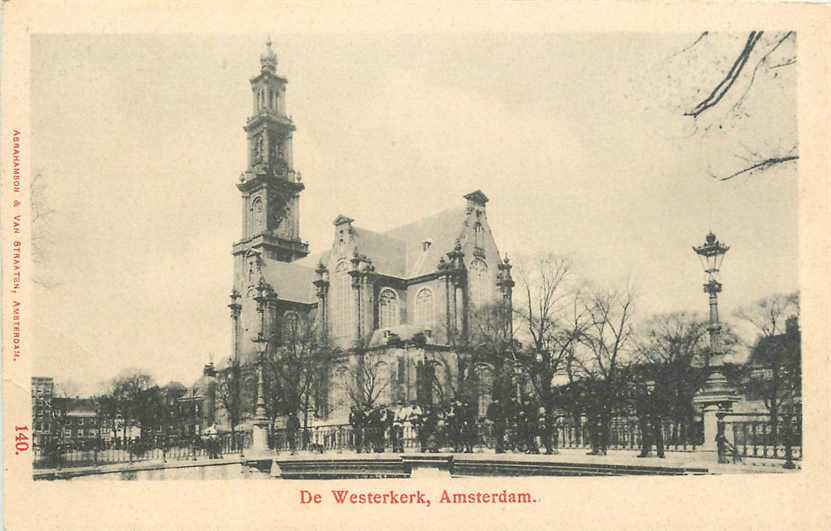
x: 579, y: 141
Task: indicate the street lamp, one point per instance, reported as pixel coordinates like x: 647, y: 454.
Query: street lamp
x: 716, y: 395
x: 260, y: 421
x: 711, y: 254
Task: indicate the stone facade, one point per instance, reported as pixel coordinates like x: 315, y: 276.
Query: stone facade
x: 395, y: 304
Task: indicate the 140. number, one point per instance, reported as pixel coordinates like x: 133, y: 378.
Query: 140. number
x: 21, y: 440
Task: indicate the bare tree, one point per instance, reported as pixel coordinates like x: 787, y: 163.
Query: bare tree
x: 670, y: 353
x: 606, y: 354
x: 768, y: 315
x: 370, y: 380
x: 777, y: 353
x: 129, y: 388
x: 717, y: 95
x: 296, y: 358
x: 551, y: 319
x: 229, y: 392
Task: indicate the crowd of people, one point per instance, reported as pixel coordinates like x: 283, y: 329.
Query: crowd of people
x: 512, y: 425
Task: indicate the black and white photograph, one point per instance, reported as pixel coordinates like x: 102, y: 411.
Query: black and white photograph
x: 278, y: 256
x: 434, y: 266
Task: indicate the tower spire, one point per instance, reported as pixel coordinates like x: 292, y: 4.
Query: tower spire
x: 268, y: 59
x: 270, y: 186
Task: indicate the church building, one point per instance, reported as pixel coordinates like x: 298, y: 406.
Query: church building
x: 398, y: 302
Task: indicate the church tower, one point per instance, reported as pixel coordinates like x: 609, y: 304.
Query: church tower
x: 270, y: 186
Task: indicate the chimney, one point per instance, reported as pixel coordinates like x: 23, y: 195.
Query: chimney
x: 476, y: 199
x: 792, y: 325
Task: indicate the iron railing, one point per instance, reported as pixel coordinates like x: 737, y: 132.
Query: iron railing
x: 625, y: 434
x: 762, y: 435
x: 567, y: 432
x: 57, y: 452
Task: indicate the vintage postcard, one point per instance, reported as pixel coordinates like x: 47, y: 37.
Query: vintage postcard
x: 491, y: 266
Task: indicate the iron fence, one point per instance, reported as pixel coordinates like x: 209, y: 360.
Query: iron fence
x: 57, y: 452
x: 764, y: 436
x: 625, y: 433
x: 567, y: 432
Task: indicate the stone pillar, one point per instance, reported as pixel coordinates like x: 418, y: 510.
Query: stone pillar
x: 448, y: 307
x: 259, y: 443
x: 235, y: 308
x: 716, y: 395
x: 709, y: 412
x: 322, y: 285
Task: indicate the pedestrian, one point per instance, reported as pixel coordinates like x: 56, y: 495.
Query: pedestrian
x: 469, y: 425
x: 522, y: 427
x: 514, y: 424
x: 452, y: 425
x: 292, y: 429
x: 426, y: 425
x: 496, y: 415
x: 658, y: 432
x: 382, y: 420
x: 398, y: 420
x: 413, y: 421
x: 356, y: 420
x: 531, y: 419
x: 545, y: 426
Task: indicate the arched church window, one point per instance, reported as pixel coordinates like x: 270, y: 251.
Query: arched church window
x: 479, y: 236
x: 259, y: 214
x: 291, y: 327
x: 424, y: 307
x: 341, y: 315
x: 479, y: 282
x: 388, y: 311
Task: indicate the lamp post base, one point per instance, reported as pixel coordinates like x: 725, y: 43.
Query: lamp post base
x: 259, y: 438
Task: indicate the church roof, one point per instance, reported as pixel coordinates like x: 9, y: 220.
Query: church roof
x: 442, y: 229
x: 388, y: 254
x: 291, y: 281
x: 399, y: 252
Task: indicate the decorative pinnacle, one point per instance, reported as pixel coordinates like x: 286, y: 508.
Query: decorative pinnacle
x: 268, y: 60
